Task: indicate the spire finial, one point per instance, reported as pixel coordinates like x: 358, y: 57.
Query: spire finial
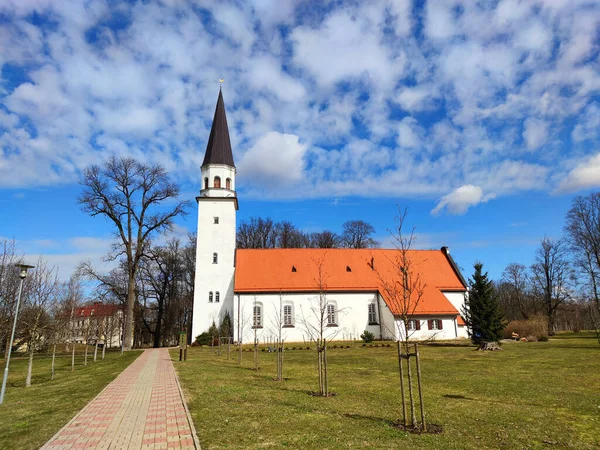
x: 221, y: 82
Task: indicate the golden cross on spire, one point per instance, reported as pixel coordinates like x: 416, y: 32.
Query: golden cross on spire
x: 221, y: 82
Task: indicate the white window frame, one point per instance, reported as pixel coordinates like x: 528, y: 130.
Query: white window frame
x: 257, y: 315
x: 331, y: 310
x: 217, y: 297
x: 215, y: 258
x: 210, y: 297
x: 288, y: 318
x: 216, y: 220
x: 412, y: 325
x: 372, y: 313
x: 435, y: 326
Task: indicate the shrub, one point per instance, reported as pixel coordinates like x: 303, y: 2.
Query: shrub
x: 367, y: 336
x: 536, y: 326
x: 203, y: 338
x: 543, y: 338
x: 532, y: 339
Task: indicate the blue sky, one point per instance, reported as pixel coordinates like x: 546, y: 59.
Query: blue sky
x: 483, y: 118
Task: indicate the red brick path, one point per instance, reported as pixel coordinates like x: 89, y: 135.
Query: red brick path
x: 141, y: 409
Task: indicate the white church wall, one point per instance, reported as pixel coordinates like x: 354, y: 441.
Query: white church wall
x: 213, y: 277
x: 352, y: 316
x: 449, y: 329
x: 458, y: 300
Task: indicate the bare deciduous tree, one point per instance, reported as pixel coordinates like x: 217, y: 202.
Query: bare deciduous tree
x: 42, y: 292
x: 552, y: 277
x: 358, y: 234
x: 127, y: 193
x: 321, y: 323
x: 404, y: 289
x: 9, y: 285
x: 583, y: 234
x: 516, y: 280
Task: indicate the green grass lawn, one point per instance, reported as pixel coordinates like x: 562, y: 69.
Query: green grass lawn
x: 30, y: 416
x: 531, y: 395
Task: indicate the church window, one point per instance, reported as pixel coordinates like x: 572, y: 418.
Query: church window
x: 215, y: 258
x: 228, y: 183
x: 210, y: 297
x: 331, y: 315
x: 257, y: 316
x: 288, y: 315
x: 217, y: 182
x: 414, y: 325
x: 206, y: 183
x: 434, y: 324
x: 217, y: 297
x: 372, y: 314
x: 216, y: 220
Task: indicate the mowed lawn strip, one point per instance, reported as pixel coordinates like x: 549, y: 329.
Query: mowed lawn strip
x: 534, y: 395
x: 30, y: 416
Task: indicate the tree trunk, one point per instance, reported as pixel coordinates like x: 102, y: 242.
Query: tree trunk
x: 29, y: 367
x: 402, y: 394
x: 73, y: 357
x: 129, y: 328
x: 96, y: 351
x: 413, y: 417
x: 157, y: 329
x: 104, y: 349
x: 325, y: 379
x: 86, y: 353
x: 53, y: 357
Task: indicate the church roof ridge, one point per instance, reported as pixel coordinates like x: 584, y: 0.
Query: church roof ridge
x: 218, y: 149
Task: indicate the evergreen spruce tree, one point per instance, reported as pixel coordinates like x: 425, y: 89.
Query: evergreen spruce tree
x: 482, y: 312
x: 226, y: 327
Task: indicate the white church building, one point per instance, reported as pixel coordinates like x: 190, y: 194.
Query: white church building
x: 297, y: 290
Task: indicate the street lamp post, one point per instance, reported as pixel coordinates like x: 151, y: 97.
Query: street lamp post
x: 22, y: 275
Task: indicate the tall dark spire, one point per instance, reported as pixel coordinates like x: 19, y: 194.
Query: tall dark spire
x: 218, y: 150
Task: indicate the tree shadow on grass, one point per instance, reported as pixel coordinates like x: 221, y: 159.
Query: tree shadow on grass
x: 487, y: 400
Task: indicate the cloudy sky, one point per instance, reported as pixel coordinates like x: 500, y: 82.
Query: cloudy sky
x: 482, y: 117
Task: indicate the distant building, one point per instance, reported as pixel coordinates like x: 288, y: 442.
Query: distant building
x: 98, y: 322
x: 251, y: 285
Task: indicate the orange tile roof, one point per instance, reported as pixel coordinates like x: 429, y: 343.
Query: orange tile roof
x: 270, y: 270
x: 460, y: 321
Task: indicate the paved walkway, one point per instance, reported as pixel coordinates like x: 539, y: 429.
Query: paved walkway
x: 142, y: 408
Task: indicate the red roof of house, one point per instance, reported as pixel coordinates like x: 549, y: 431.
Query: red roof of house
x: 98, y: 310
x: 297, y: 270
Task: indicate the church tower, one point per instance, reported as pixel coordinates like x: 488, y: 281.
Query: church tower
x: 215, y: 247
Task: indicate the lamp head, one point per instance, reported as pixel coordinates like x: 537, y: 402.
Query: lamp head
x: 24, y: 268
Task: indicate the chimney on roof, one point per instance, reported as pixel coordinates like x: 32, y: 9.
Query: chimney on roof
x: 445, y: 250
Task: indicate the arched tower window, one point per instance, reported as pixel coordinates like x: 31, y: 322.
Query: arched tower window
x: 215, y: 258
x: 210, y: 297
x: 228, y: 183
x: 217, y: 297
x: 206, y: 183
x: 217, y: 182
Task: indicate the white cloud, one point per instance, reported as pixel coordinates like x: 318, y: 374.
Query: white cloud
x: 535, y: 133
x: 343, y: 47
x: 584, y: 176
x: 461, y: 199
x: 275, y: 160
x: 482, y: 82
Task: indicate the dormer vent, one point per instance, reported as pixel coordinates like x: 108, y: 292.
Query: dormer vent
x: 294, y: 269
x: 348, y: 269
